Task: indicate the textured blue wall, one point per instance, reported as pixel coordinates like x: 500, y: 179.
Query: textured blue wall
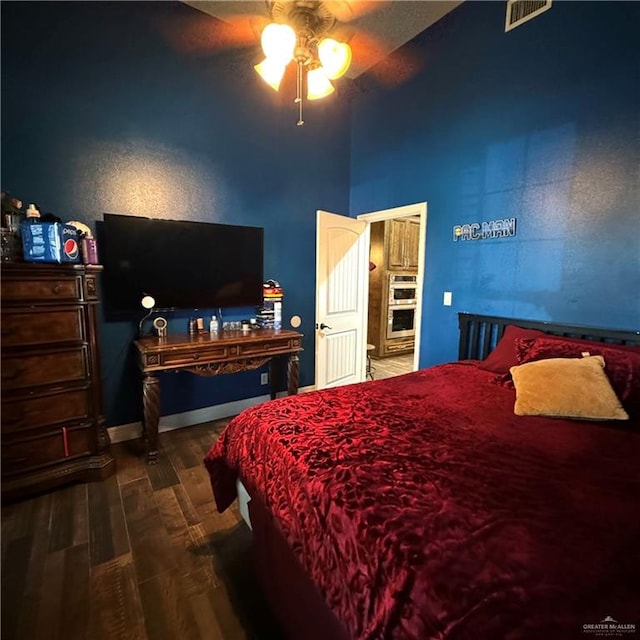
x: 102, y: 112
x: 540, y: 124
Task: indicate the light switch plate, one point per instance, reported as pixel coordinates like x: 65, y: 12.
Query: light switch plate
x: 447, y: 298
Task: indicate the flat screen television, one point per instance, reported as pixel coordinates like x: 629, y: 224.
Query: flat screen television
x: 182, y: 264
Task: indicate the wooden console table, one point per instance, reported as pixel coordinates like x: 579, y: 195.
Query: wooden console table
x: 210, y: 355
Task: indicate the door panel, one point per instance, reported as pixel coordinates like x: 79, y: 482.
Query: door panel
x: 342, y: 281
x: 341, y: 356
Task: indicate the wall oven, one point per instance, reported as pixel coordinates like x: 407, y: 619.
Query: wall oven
x: 401, y: 321
x: 402, y: 305
x: 403, y: 288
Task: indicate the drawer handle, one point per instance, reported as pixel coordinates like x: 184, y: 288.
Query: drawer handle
x: 57, y: 289
x: 65, y: 442
x: 196, y: 356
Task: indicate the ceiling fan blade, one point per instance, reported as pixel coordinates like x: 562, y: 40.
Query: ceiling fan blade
x: 347, y: 10
x: 200, y: 33
x: 376, y: 57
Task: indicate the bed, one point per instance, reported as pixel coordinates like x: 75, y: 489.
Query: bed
x: 423, y: 506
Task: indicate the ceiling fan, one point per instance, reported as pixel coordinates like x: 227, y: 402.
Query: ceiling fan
x: 299, y: 32
x: 314, y: 36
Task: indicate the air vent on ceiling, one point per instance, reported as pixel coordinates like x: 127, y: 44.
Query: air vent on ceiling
x: 519, y: 11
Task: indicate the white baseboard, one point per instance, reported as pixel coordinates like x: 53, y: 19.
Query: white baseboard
x: 133, y: 430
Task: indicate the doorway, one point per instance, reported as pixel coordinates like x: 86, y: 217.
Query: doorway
x: 396, y: 276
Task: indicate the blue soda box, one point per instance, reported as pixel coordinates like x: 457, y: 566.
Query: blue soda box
x: 49, y: 242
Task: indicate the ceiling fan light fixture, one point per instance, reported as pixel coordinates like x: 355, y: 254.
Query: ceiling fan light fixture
x: 271, y: 71
x: 278, y: 42
x: 318, y: 85
x: 335, y: 57
x: 297, y: 33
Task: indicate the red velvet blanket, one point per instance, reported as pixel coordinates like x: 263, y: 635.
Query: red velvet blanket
x: 422, y: 507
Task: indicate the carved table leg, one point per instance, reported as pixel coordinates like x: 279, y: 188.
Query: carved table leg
x: 151, y: 400
x: 274, y: 376
x: 293, y: 372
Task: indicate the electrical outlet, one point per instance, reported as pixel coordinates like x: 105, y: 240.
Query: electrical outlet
x: 264, y: 378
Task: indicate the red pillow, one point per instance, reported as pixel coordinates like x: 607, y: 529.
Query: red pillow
x: 622, y: 363
x: 504, y: 356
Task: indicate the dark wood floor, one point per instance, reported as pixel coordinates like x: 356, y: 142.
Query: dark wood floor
x: 142, y: 555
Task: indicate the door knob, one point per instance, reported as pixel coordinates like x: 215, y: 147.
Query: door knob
x: 324, y: 326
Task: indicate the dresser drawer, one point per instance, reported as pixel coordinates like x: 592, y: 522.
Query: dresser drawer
x: 52, y: 367
x: 26, y: 328
x: 266, y: 347
x: 45, y: 448
x: 195, y: 356
x: 41, y: 410
x: 396, y: 345
x: 65, y: 289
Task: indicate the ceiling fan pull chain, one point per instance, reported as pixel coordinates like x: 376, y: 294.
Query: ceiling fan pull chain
x: 299, y: 93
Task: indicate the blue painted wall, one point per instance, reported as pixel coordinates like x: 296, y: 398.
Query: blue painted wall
x: 540, y: 123
x: 103, y: 112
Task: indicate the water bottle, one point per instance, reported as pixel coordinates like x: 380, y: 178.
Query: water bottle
x: 213, y: 325
x: 33, y: 215
x: 277, y: 315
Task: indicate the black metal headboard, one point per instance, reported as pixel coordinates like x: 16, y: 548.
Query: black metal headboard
x: 479, y: 334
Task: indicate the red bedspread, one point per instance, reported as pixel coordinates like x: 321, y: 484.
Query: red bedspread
x: 422, y: 507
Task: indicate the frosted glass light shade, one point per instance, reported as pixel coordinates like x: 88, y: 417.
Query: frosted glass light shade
x: 318, y: 85
x: 271, y: 71
x: 148, y: 302
x: 278, y: 42
x: 335, y: 57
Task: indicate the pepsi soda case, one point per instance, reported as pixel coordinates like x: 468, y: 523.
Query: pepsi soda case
x: 49, y: 242
x: 70, y: 243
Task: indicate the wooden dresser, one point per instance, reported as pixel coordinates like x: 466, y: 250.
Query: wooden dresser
x: 53, y: 429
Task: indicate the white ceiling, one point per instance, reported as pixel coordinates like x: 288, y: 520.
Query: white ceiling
x: 389, y: 23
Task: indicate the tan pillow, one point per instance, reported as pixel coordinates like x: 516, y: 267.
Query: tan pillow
x: 566, y: 388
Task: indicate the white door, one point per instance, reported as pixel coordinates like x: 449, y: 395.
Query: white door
x: 342, y: 283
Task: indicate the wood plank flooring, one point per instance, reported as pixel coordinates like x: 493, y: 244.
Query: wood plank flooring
x: 394, y: 366
x: 143, y: 555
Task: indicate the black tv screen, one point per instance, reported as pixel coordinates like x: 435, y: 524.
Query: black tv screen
x: 183, y: 265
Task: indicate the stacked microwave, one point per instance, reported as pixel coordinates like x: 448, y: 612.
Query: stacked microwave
x: 402, y: 291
